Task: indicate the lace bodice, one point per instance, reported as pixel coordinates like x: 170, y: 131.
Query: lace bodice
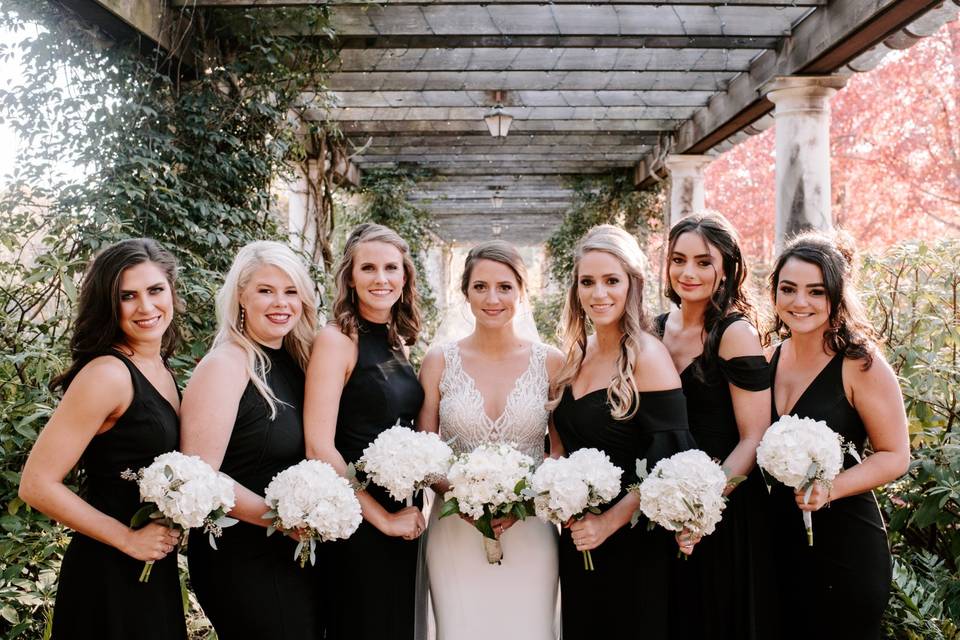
x: 523, y: 422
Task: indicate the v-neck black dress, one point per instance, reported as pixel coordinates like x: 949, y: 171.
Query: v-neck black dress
x: 99, y: 595
x: 839, y: 587
x: 729, y: 579
x: 628, y: 593
x: 251, y: 586
x: 374, y: 583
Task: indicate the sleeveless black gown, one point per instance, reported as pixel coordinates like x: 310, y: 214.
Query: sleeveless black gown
x: 251, y: 586
x: 99, y: 595
x: 729, y: 579
x: 839, y: 587
x: 628, y: 594
x: 374, y: 585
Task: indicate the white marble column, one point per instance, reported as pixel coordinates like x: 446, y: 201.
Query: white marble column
x: 802, y: 118
x: 301, y: 214
x: 687, y: 194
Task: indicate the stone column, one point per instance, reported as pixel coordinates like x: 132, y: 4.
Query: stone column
x: 802, y: 117
x: 301, y: 207
x: 687, y: 193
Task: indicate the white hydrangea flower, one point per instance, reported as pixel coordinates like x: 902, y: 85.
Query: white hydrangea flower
x: 314, y: 499
x: 792, y: 446
x: 798, y: 451
x: 404, y: 461
x: 185, y: 489
x: 568, y: 487
x: 488, y: 477
x: 684, y: 491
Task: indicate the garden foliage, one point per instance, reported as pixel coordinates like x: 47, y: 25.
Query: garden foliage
x: 117, y: 143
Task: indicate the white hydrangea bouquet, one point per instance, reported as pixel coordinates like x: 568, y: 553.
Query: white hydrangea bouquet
x: 404, y: 461
x: 488, y: 483
x: 565, y: 488
x: 800, y: 451
x: 313, y: 499
x: 683, y: 492
x: 182, y: 492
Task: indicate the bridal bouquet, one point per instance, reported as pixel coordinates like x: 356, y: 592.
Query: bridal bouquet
x: 569, y: 487
x: 487, y: 483
x: 684, y: 491
x: 183, y: 492
x: 315, y: 500
x: 798, y: 452
x: 404, y: 461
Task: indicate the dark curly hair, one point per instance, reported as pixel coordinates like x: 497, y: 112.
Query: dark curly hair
x: 849, y: 332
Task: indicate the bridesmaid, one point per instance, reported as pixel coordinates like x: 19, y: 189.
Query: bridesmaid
x: 715, y: 346
x: 243, y: 414
x: 618, y: 392
x: 360, y: 383
x: 119, y: 411
x: 828, y: 367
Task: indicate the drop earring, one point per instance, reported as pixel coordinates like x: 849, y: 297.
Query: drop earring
x: 241, y: 320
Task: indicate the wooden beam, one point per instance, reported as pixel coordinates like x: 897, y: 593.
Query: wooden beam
x: 534, y: 40
x: 303, y: 3
x: 126, y: 20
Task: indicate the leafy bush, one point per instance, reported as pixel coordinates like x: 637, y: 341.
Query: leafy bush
x: 912, y: 297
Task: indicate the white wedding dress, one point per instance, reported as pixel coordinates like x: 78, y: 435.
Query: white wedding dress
x: 473, y: 599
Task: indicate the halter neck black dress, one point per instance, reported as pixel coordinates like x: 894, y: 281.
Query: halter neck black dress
x: 842, y: 582
x: 729, y: 579
x: 628, y: 593
x: 374, y: 588
x: 99, y: 595
x: 251, y: 586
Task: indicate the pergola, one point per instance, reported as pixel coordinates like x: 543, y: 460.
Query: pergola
x: 651, y: 86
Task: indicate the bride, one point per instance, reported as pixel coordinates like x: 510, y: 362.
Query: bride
x: 491, y: 386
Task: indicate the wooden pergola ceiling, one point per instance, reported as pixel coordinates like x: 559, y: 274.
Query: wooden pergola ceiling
x: 592, y: 86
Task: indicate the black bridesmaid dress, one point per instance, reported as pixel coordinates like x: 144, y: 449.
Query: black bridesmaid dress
x: 728, y: 581
x: 99, y: 595
x: 251, y: 586
x: 374, y: 584
x: 839, y: 587
x: 628, y: 593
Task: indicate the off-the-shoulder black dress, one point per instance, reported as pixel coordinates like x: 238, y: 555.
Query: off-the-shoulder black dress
x: 728, y: 582
x: 628, y: 593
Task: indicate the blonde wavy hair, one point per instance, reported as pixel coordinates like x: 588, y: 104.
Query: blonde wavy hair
x: 622, y: 394
x: 405, y: 320
x: 298, y: 342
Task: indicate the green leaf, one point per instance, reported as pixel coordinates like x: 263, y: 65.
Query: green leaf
x: 10, y: 614
x: 484, y: 526
x: 143, y: 515
x: 449, y: 508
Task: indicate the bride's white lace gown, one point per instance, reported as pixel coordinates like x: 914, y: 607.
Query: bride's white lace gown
x: 472, y: 599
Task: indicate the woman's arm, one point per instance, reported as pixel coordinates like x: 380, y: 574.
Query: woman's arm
x: 876, y: 396
x: 208, y: 414
x: 555, y: 361
x: 431, y: 371
x: 331, y: 361
x: 751, y: 408
x: 96, y: 398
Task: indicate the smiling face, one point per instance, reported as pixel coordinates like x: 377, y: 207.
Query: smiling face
x: 146, y: 303
x: 602, y: 287
x: 271, y: 305
x: 378, y: 279
x: 801, y: 299
x: 493, y: 293
x: 696, y: 267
